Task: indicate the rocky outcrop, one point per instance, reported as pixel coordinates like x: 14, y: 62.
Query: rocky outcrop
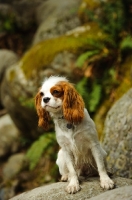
x: 56, y: 191
x: 117, y: 137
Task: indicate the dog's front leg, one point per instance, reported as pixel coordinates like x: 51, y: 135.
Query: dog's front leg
x: 105, y: 181
x: 73, y: 185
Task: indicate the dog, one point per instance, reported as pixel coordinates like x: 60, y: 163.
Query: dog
x: 80, y: 152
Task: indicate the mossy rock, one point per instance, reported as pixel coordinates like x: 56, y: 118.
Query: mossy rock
x: 42, y: 54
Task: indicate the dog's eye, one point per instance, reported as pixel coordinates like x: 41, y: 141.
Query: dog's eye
x: 55, y: 92
x: 42, y: 94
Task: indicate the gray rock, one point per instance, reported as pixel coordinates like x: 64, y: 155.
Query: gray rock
x: 9, y: 191
x: 123, y: 193
x: 9, y: 136
x: 63, y: 17
x: 7, y: 58
x: 56, y: 191
x: 117, y: 137
x: 16, y: 163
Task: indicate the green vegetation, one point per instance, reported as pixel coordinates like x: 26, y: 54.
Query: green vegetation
x: 29, y: 103
x: 7, y: 23
x: 84, y: 56
x: 126, y: 44
x: 44, y: 145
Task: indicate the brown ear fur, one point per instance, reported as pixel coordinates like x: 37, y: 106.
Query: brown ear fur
x: 73, y: 104
x: 42, y: 113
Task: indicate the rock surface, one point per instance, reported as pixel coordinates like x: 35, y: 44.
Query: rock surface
x: 56, y: 191
x: 7, y: 58
x: 14, y: 165
x: 62, y: 17
x: 123, y: 193
x: 9, y: 136
x: 118, y: 136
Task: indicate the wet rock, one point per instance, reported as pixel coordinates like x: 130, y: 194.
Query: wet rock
x: 9, y: 136
x: 117, y: 137
x: 56, y: 191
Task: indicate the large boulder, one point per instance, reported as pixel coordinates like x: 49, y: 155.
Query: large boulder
x: 7, y: 58
x: 117, y: 137
x: 62, y: 17
x: 51, y: 57
x: 124, y: 193
x: 16, y: 163
x: 57, y: 191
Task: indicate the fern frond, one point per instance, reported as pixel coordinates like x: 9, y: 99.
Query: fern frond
x: 126, y: 43
x: 95, y: 97
x: 84, y: 56
x: 38, y: 148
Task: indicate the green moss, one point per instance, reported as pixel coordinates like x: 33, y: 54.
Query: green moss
x: 12, y: 75
x: 43, y: 53
x: 29, y: 103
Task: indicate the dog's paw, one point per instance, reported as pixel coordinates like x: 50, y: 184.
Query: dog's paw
x: 107, y: 183
x: 64, y: 178
x: 73, y: 188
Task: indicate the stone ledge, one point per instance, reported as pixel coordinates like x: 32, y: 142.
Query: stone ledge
x: 90, y: 188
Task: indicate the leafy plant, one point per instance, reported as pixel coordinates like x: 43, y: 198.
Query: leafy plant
x: 81, y: 87
x: 84, y: 56
x: 126, y: 43
x: 91, y: 93
x: 112, y: 17
x: 7, y: 23
x: 42, y: 145
x: 95, y: 96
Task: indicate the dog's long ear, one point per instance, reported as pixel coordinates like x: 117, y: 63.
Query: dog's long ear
x: 73, y: 104
x: 42, y: 113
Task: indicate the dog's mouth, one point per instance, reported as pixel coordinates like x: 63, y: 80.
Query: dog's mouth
x: 52, y: 107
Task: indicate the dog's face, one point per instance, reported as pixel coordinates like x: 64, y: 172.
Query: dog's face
x: 52, y: 96
x: 58, y: 95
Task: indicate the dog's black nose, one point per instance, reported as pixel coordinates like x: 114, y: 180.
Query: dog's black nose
x: 46, y: 99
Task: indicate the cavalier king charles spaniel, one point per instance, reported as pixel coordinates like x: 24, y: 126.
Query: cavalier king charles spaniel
x: 81, y: 153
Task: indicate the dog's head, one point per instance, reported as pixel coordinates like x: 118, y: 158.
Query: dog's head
x: 56, y: 96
